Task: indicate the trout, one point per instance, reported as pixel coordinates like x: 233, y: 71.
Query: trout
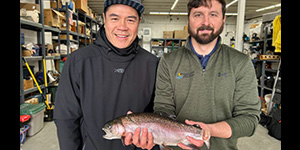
x: 165, y: 131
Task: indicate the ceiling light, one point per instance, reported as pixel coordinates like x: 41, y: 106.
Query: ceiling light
x: 269, y: 7
x: 175, y: 3
x: 231, y: 14
x: 178, y: 13
x: 168, y: 13
x: 159, y: 13
x: 231, y: 3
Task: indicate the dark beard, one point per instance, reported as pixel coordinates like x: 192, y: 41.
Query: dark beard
x: 205, y: 38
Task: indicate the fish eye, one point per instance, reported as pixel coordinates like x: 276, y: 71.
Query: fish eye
x: 109, y: 127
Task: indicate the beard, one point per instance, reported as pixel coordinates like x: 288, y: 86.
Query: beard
x: 205, y: 38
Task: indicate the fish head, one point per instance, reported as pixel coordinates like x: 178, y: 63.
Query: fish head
x: 113, y: 129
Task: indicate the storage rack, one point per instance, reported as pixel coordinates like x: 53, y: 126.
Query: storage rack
x: 262, y: 85
x: 41, y: 28
x: 79, y: 15
x: 165, y: 41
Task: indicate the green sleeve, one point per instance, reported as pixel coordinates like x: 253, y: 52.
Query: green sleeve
x: 164, y: 96
x: 246, y: 111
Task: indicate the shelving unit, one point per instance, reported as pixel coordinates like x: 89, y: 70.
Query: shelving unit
x: 79, y: 15
x: 158, y: 49
x: 262, y: 86
x: 41, y: 28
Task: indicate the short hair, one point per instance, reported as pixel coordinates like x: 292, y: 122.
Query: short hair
x: 205, y: 3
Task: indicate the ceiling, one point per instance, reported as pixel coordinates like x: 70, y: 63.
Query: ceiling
x: 165, y: 6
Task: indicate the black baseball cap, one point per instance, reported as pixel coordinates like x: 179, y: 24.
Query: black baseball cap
x: 136, y: 4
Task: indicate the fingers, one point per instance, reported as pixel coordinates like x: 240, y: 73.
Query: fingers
x: 181, y: 145
x: 128, y: 140
x: 146, y: 139
x: 150, y: 139
x: 201, y: 124
x: 136, y: 136
x: 129, y: 112
x: 197, y: 143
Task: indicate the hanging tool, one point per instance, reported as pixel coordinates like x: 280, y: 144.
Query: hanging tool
x: 45, y: 98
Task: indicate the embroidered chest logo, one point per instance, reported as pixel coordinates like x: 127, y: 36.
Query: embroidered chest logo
x: 119, y: 70
x: 185, y: 75
x: 222, y: 74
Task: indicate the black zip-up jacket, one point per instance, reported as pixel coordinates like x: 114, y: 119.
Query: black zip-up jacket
x: 99, y: 83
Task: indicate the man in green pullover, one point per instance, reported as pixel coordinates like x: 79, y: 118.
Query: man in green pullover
x: 208, y: 83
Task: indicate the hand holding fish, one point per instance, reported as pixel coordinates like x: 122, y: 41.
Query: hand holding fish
x: 157, y: 129
x: 197, y: 143
x: 146, y: 141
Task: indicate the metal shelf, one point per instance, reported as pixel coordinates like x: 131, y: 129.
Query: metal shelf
x: 152, y: 47
x: 262, y: 85
x: 41, y: 28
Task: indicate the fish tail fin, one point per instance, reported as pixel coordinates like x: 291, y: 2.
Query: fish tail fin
x: 206, y: 138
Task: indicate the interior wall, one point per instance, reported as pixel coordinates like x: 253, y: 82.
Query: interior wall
x: 158, y: 24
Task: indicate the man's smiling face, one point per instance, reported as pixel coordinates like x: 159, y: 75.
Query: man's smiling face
x: 121, y: 24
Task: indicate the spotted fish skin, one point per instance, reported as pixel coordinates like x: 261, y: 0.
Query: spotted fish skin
x: 165, y: 131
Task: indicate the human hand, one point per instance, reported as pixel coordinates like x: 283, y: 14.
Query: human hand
x: 197, y: 143
x: 146, y: 140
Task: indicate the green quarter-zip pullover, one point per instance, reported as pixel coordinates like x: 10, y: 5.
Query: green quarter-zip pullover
x: 225, y: 91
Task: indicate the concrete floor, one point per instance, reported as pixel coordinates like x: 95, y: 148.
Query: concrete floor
x: 46, y: 139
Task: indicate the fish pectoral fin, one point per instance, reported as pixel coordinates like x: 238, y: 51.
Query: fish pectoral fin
x: 164, y: 147
x: 207, y: 144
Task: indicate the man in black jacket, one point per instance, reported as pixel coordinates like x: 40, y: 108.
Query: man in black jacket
x: 104, y: 80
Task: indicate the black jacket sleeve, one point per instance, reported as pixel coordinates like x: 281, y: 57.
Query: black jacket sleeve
x: 67, y: 112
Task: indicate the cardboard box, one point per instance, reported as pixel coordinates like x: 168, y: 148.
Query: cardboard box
x: 32, y: 15
x: 26, y: 53
x: 82, y: 5
x: 90, y: 13
x: 185, y: 27
x: 27, y: 84
x: 64, y: 37
x: 155, y: 43
x: 32, y: 101
x: 168, y: 34
x: 81, y: 27
x: 52, y: 18
x: 181, y: 34
x: 29, y: 6
x: 53, y: 4
x: 74, y: 27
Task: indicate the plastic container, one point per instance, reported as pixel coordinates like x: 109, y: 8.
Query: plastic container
x: 23, y: 134
x: 24, y: 120
x: 36, y: 111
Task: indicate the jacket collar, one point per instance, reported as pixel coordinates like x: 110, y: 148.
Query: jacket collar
x: 189, y: 47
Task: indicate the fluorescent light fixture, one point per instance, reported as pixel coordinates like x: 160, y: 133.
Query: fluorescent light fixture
x: 159, y: 13
x: 231, y: 14
x: 178, y: 13
x: 168, y: 13
x: 175, y: 3
x: 269, y: 7
x: 231, y: 3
